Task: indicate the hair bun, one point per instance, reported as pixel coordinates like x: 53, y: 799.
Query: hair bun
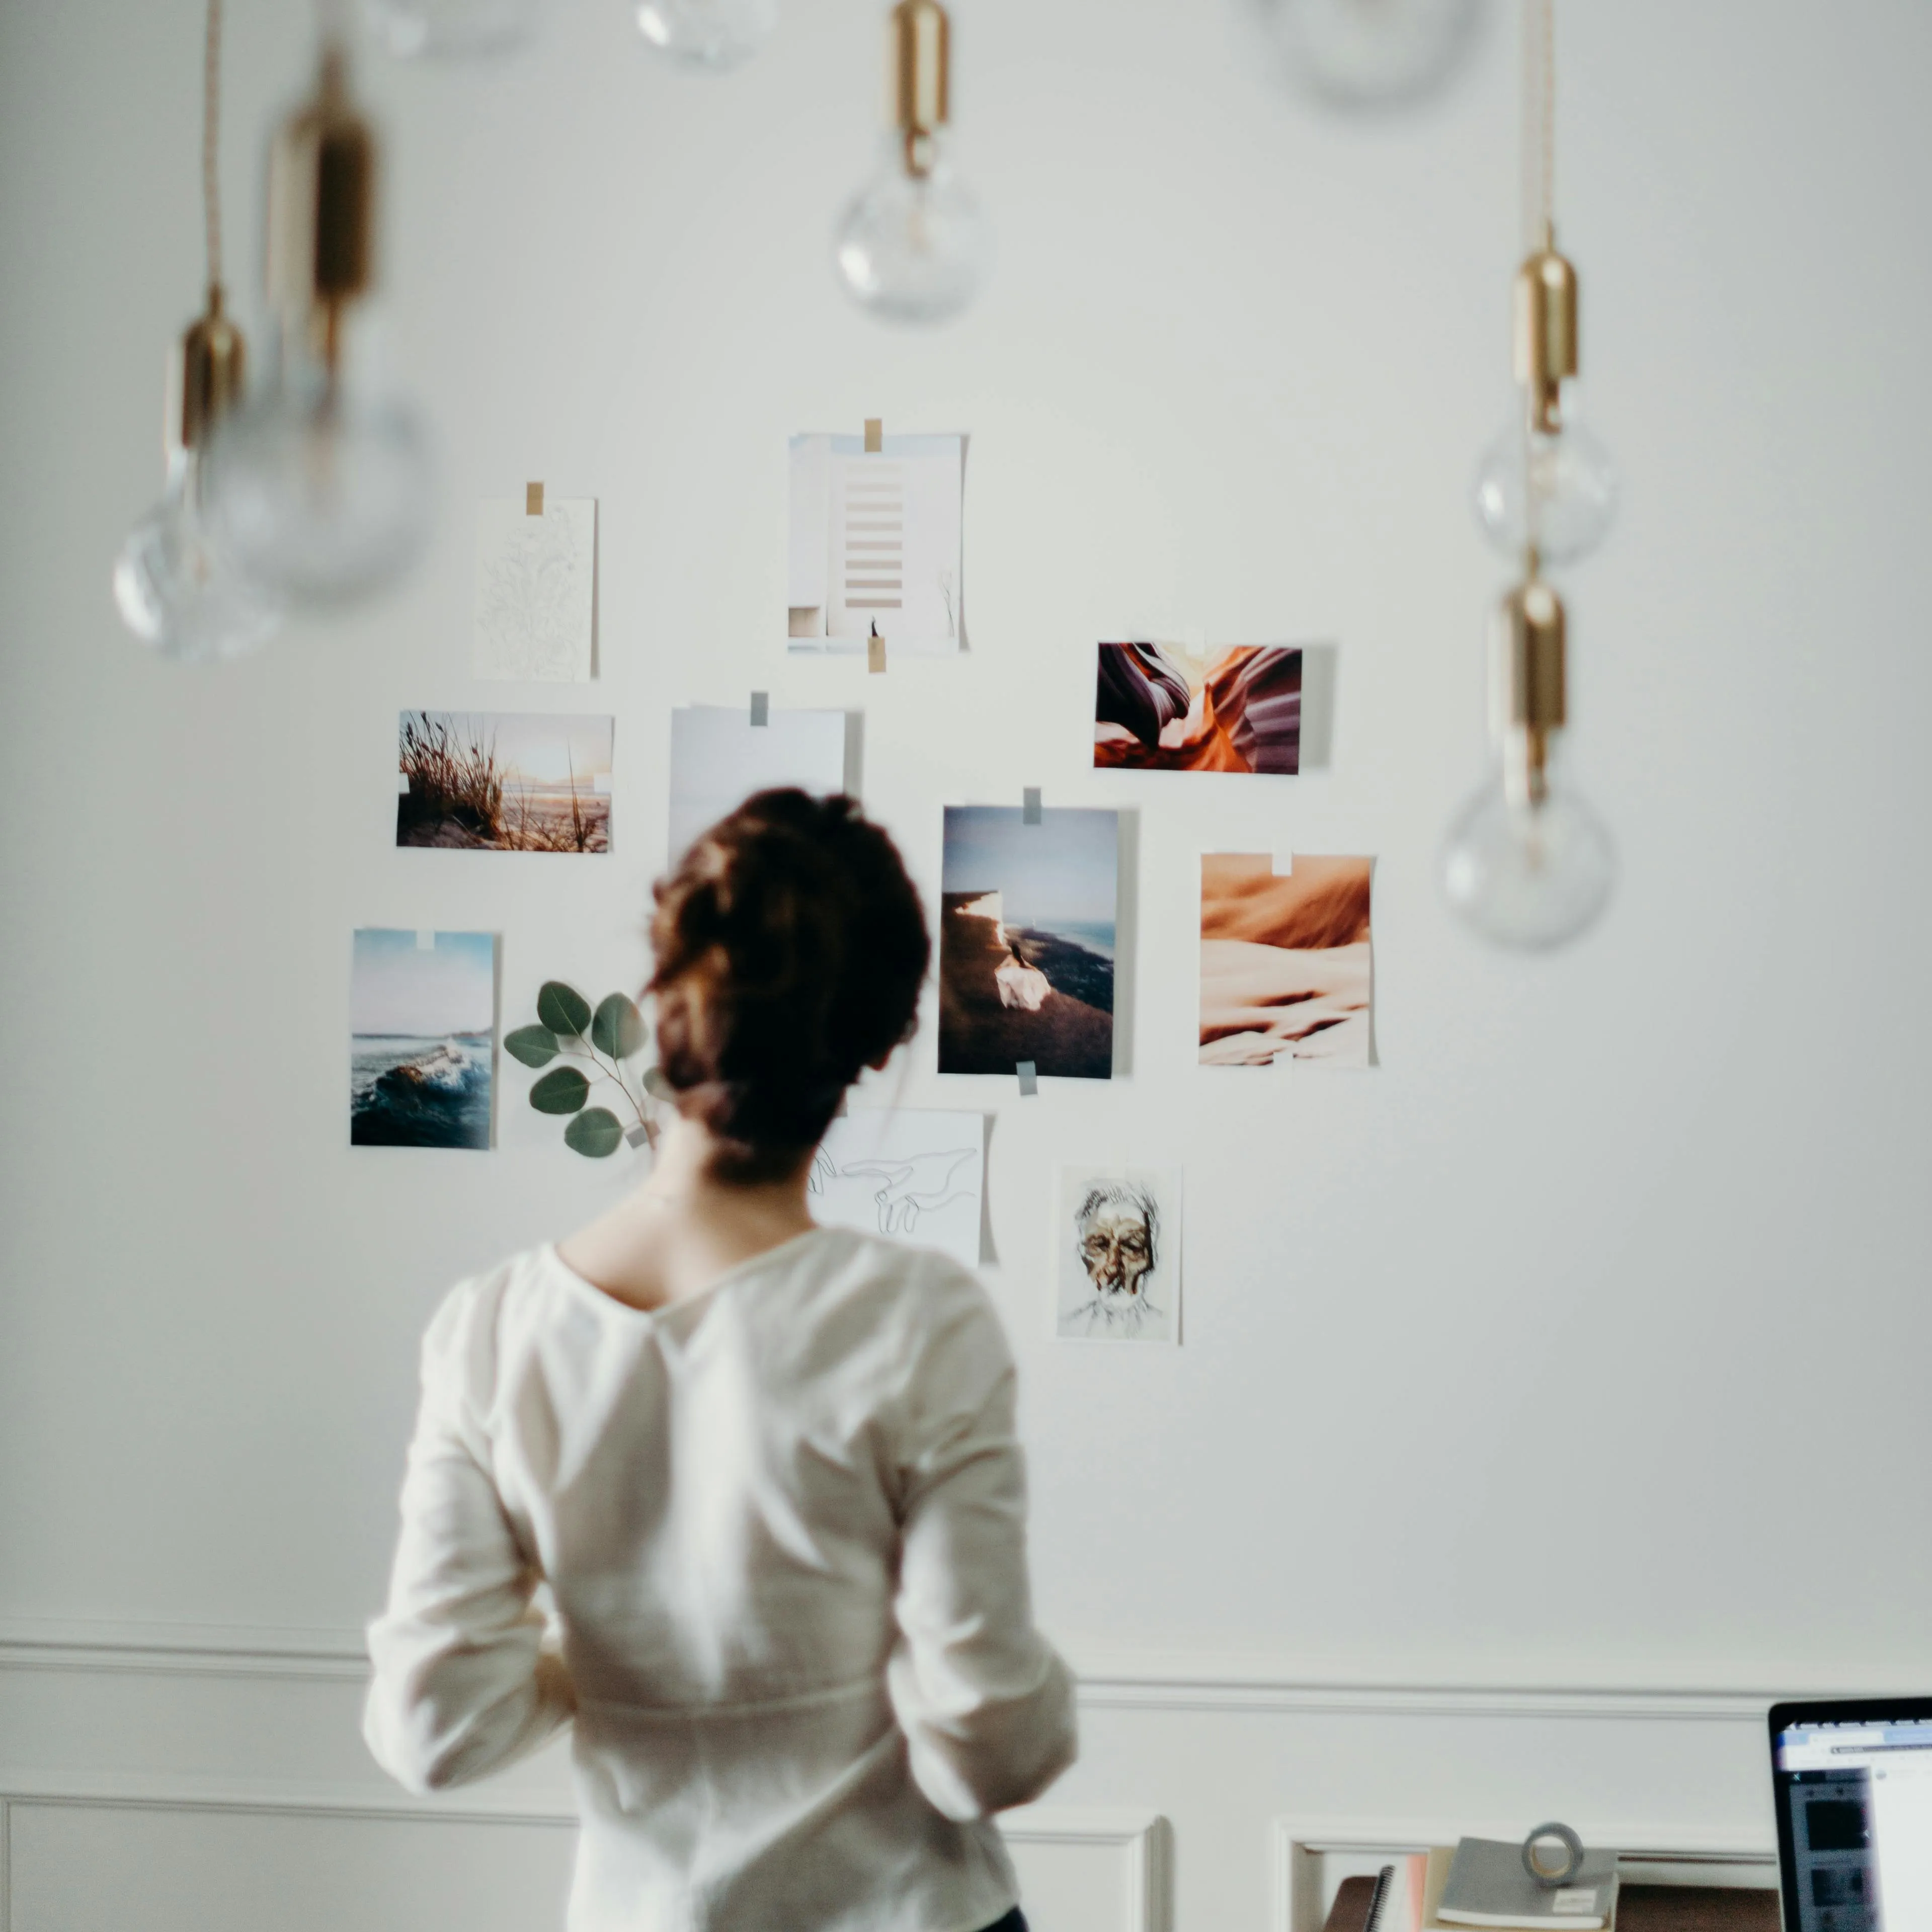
x: 790, y: 946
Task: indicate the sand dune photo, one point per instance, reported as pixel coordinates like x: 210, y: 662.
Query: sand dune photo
x: 1286, y: 971
x: 1026, y: 942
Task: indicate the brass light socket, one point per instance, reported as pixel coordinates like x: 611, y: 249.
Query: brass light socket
x: 209, y: 367
x: 1546, y: 335
x: 1528, y: 701
x: 321, y: 194
x: 918, y: 60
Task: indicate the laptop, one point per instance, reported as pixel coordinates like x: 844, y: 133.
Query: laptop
x: 1852, y: 1784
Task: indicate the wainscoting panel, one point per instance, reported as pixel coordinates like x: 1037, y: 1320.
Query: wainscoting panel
x: 182, y: 1868
x: 150, y: 1781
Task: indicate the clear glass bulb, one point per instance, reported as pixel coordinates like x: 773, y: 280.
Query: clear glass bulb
x: 452, y: 28
x: 1529, y: 876
x: 1370, y: 53
x: 718, y: 35
x: 1557, y: 492
x: 177, y: 591
x: 320, y: 486
x: 913, y: 248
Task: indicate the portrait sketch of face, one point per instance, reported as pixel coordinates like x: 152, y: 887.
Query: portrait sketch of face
x: 1119, y: 1275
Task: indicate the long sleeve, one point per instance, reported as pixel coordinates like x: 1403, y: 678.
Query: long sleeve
x: 464, y: 1683
x: 985, y: 1703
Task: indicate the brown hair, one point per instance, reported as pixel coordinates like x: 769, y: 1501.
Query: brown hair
x: 790, y: 947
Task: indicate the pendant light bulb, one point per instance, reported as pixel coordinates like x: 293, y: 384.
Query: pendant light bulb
x: 912, y: 245
x: 176, y: 589
x: 1546, y: 484
x: 1370, y: 54
x: 715, y: 35
x: 450, y: 29
x: 319, y: 485
x: 1528, y: 865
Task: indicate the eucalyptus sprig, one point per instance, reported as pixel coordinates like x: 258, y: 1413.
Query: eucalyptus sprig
x: 608, y: 1041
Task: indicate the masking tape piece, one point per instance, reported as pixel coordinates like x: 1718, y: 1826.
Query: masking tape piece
x: 638, y: 1135
x: 1029, y: 1072
x: 875, y: 435
x: 875, y: 652
x: 1029, y: 806
x: 533, y: 499
x: 761, y: 707
x: 425, y: 939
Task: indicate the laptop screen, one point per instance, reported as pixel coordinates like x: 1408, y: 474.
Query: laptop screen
x: 1855, y: 1820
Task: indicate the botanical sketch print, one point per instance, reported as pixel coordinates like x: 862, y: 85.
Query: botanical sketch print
x: 503, y: 781
x: 536, y: 579
x: 915, y: 1176
x: 1119, y: 1242
x: 1161, y: 707
x: 422, y: 1021
x: 1287, y: 972
x: 875, y: 544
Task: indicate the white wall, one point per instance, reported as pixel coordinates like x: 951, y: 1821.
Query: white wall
x: 1625, y: 1250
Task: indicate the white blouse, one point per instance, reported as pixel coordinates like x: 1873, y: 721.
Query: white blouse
x: 784, y: 1524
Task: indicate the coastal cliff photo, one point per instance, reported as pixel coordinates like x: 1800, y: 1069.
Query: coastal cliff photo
x: 1026, y: 941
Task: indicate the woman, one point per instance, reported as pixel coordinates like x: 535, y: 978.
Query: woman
x: 767, y: 1470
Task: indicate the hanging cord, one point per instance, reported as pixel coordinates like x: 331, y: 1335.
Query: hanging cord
x: 1539, y: 126
x: 211, y: 147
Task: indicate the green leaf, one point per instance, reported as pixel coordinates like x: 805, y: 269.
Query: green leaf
x: 594, y: 1133
x: 561, y: 1091
x: 617, y: 1027
x: 534, y: 1045
x: 656, y: 1085
x: 563, y: 1009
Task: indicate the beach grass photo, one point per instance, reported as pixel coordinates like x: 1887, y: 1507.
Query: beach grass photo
x: 1286, y: 968
x: 1028, y: 914
x: 1164, y: 708
x: 503, y: 782
x: 422, y: 1023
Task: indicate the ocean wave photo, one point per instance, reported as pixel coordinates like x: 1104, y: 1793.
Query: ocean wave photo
x: 420, y: 1092
x: 422, y: 1043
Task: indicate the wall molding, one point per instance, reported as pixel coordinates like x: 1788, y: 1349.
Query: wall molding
x: 1167, y: 1680
x: 1140, y: 1836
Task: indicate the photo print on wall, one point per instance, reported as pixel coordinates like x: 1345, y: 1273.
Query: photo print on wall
x: 915, y: 1175
x: 719, y: 758
x: 422, y: 1024
x: 875, y: 542
x: 1287, y: 971
x: 1027, y: 918
x: 536, y: 589
x: 503, y: 782
x: 1117, y: 1241
x: 1164, y: 708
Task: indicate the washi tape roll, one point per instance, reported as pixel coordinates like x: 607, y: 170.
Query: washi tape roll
x: 1549, y: 1875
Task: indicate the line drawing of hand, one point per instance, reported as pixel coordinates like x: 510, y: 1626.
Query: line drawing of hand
x: 822, y: 1170
x: 920, y: 1185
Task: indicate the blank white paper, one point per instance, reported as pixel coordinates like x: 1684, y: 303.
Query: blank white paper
x: 718, y: 758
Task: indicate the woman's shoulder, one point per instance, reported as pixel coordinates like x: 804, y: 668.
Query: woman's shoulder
x: 917, y: 1301
x: 476, y: 1320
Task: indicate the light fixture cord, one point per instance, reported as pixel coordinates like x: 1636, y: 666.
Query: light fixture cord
x: 210, y: 147
x: 1539, y: 126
